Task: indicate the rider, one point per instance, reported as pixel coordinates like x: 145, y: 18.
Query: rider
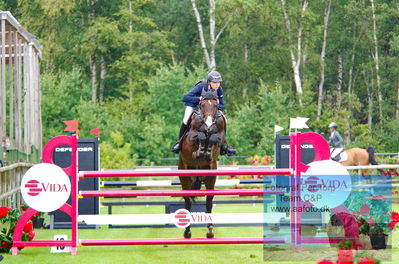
x: 192, y: 99
x: 336, y: 142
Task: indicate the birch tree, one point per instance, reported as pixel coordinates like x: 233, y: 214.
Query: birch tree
x: 295, y: 54
x: 92, y: 57
x: 376, y: 62
x: 322, y: 55
x: 209, y: 53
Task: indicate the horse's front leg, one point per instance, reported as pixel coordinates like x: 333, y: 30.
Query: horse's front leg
x: 209, y: 200
x: 215, y: 141
x: 210, y: 185
x: 201, y: 148
x: 185, y: 183
x: 187, y: 205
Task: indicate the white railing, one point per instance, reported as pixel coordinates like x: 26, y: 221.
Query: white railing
x: 10, y: 181
x: 373, y: 167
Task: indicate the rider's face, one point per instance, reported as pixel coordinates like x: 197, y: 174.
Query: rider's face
x: 214, y: 85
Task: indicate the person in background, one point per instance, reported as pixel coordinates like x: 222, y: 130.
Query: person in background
x: 335, y: 141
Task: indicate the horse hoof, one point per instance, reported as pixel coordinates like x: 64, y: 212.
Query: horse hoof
x: 209, y: 235
x: 187, y: 234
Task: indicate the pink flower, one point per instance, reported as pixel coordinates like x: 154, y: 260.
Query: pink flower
x: 371, y: 221
x: 365, y: 209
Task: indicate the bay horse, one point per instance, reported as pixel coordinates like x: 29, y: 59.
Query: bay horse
x: 357, y: 157
x: 200, y: 148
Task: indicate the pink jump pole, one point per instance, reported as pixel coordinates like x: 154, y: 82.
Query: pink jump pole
x: 131, y: 193
x: 149, y: 173
x: 322, y: 152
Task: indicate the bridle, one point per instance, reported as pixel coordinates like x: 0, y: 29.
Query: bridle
x: 204, y: 119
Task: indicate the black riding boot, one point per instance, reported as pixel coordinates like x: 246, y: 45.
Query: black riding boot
x: 225, y: 150
x: 176, y: 146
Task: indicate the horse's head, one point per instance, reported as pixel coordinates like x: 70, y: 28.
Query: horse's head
x: 208, y: 107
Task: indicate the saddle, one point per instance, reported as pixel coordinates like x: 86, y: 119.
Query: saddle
x: 340, y: 157
x: 197, y: 112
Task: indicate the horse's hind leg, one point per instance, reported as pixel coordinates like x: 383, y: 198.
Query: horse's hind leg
x: 210, y: 185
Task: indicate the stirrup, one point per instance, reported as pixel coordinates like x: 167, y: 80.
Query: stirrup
x: 231, y: 152
x: 225, y: 150
x: 176, y: 148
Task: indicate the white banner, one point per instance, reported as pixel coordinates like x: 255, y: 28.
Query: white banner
x: 182, y: 218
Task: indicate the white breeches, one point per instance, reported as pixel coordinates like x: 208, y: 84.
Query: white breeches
x: 187, y: 114
x: 335, y: 151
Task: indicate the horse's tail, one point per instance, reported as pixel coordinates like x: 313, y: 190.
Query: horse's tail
x: 196, y: 185
x: 372, y: 161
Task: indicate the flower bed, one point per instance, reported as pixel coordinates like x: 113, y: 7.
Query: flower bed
x: 8, y: 219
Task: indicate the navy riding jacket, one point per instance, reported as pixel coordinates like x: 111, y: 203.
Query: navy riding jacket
x: 192, y: 98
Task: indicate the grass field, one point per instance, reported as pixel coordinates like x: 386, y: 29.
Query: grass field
x: 190, y: 254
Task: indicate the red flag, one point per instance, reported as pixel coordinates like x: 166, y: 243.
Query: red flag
x: 95, y: 131
x: 72, y: 125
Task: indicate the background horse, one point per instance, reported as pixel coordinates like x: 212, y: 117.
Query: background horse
x: 200, y: 149
x: 359, y: 156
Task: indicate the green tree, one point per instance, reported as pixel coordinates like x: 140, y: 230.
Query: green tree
x: 116, y: 153
x: 61, y: 94
x: 251, y: 129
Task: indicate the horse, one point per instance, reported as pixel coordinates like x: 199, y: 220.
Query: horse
x: 357, y: 157
x: 200, y: 148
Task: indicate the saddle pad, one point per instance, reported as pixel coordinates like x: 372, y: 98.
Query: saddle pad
x: 344, y: 156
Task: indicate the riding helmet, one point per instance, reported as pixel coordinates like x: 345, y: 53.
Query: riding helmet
x: 332, y: 124
x: 214, y: 76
